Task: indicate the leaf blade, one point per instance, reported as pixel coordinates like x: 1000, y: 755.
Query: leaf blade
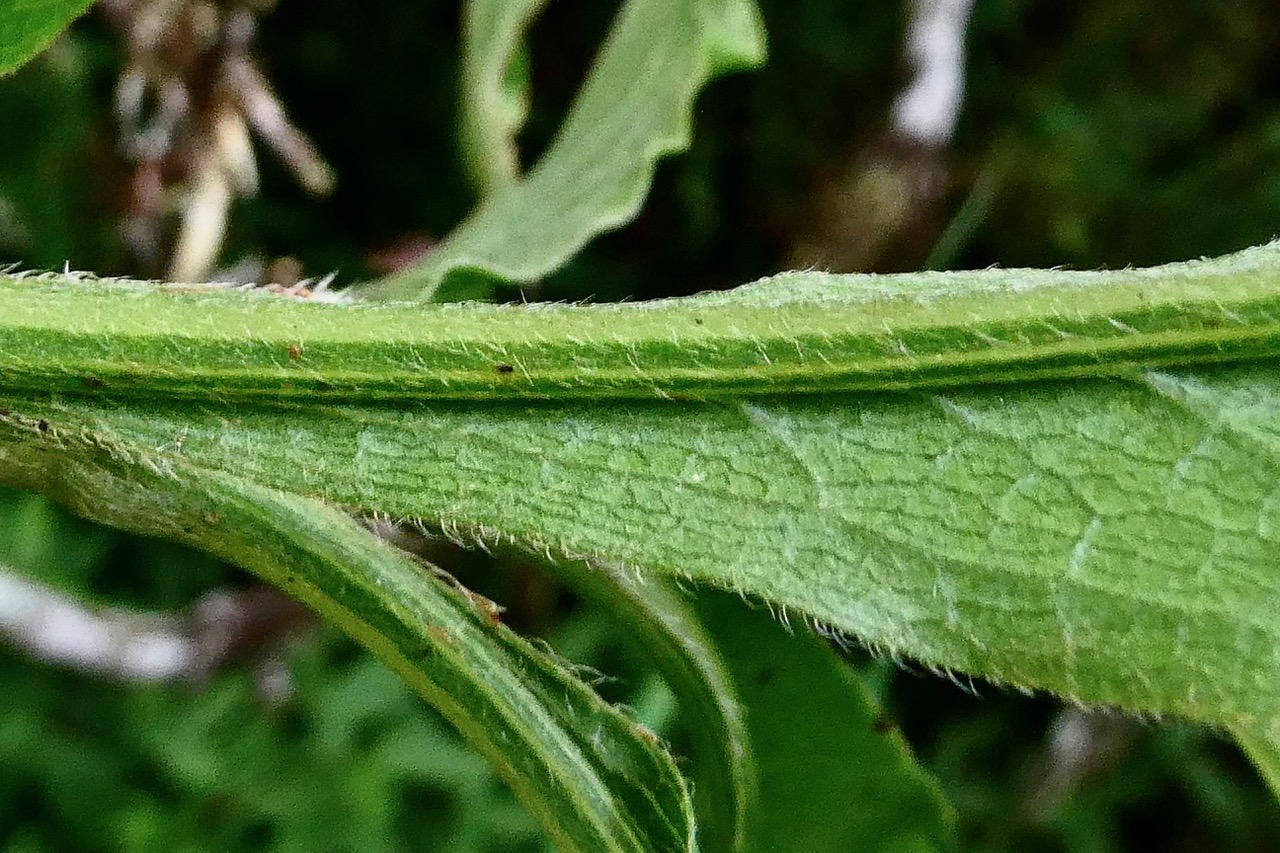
x: 634, y: 108
x: 944, y: 527
x: 811, y: 718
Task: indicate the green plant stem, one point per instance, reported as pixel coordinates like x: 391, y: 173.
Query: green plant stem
x: 798, y: 332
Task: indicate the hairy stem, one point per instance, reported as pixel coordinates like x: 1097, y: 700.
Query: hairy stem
x: 797, y: 332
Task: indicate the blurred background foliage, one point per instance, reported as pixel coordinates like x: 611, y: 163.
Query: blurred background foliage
x: 1103, y: 132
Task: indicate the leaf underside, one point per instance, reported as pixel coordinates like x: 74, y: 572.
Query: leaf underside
x: 1111, y: 541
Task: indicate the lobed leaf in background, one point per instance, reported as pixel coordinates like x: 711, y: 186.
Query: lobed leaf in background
x: 634, y: 108
x: 27, y: 26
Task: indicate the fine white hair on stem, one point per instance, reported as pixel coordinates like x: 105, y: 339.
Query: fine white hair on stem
x: 927, y: 109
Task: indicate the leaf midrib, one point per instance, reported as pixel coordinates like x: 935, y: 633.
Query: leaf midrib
x: 893, y: 333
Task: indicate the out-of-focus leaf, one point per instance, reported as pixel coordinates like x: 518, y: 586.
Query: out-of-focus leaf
x: 834, y: 773
x: 494, y: 97
x: 27, y: 26
x: 635, y: 107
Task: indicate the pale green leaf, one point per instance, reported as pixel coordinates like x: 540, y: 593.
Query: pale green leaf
x: 594, y: 780
x: 27, y: 27
x: 634, y: 108
x: 1109, y: 540
x: 494, y: 96
x: 834, y: 773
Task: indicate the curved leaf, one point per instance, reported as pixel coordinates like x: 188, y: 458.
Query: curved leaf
x: 27, y: 27
x: 666, y: 624
x: 594, y: 780
x: 634, y: 108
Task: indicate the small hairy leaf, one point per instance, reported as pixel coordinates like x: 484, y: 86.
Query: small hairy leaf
x: 666, y: 625
x: 634, y: 108
x: 27, y: 27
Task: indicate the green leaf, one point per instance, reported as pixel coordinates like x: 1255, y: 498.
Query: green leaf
x: 494, y: 97
x: 834, y: 773
x: 665, y: 624
x: 27, y: 27
x: 593, y: 779
x: 1091, y: 525
x: 634, y: 108
x: 1103, y: 539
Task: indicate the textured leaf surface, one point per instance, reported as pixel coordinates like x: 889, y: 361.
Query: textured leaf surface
x: 1109, y: 537
x: 1109, y: 540
x: 494, y: 97
x: 634, y: 108
x: 592, y: 778
x: 27, y: 27
x: 834, y: 774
